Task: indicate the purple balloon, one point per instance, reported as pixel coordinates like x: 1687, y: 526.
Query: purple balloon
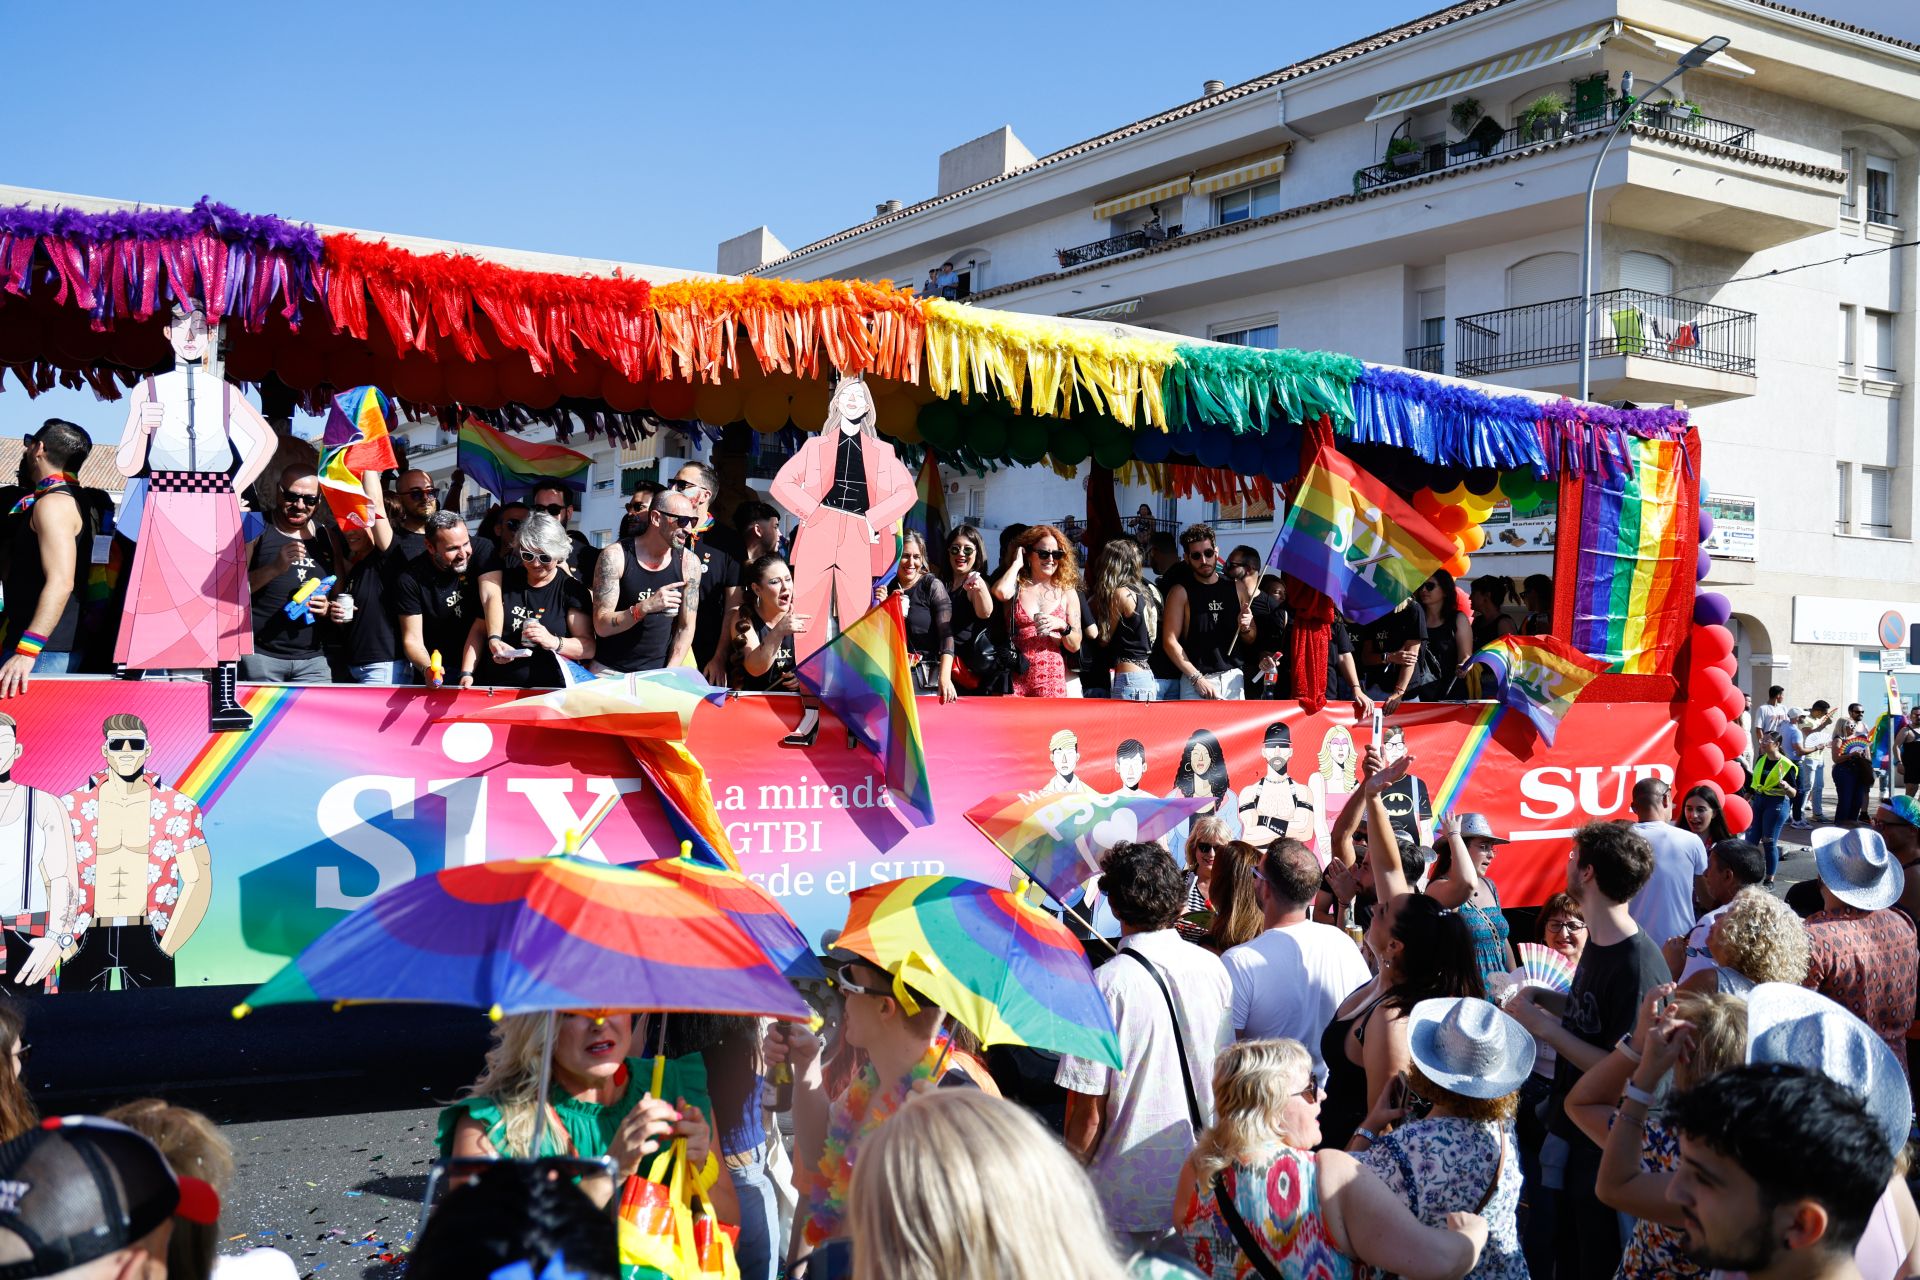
x: 1702, y: 566
x: 1706, y: 524
x: 1711, y: 609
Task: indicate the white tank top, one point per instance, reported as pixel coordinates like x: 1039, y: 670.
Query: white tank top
x: 22, y: 888
x: 193, y: 435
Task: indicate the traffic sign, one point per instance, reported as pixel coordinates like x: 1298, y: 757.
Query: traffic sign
x: 1892, y: 659
x: 1892, y: 630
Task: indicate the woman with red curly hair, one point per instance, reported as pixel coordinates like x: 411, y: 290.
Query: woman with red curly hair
x: 1040, y: 584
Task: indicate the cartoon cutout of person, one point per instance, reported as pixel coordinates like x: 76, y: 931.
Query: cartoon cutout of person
x: 1333, y: 784
x: 1407, y: 801
x: 1063, y: 748
x: 1203, y: 772
x: 1130, y: 763
x: 1276, y: 805
x: 37, y: 873
x: 847, y: 487
x: 198, y: 443
x: 145, y: 868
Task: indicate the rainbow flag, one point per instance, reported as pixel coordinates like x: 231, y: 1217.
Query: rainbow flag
x: 861, y: 676
x: 1467, y: 759
x: 1539, y: 676
x: 361, y: 422
x: 206, y: 776
x: 1356, y: 541
x: 1000, y: 966
x: 1635, y: 580
x: 345, y: 495
x: 1885, y: 729
x: 1059, y: 837
x: 686, y: 798
x: 646, y: 704
x: 509, y: 468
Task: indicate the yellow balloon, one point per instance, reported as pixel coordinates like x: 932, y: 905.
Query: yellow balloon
x: 766, y: 408
x: 810, y: 404
x: 892, y: 411
x: 719, y: 404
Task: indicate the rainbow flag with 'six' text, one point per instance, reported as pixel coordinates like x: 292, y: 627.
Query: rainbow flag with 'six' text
x: 862, y: 677
x: 1539, y: 676
x: 1354, y: 540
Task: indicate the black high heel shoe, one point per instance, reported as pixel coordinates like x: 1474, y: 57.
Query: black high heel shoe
x: 808, y: 730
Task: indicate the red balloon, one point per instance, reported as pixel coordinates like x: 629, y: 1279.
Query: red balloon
x: 1733, y: 741
x: 1713, y: 685
x: 1712, y: 643
x: 1713, y: 720
x: 623, y: 396
x: 1426, y: 504
x: 674, y: 400
x: 1453, y: 519
x: 1738, y: 813
x: 521, y: 385
x: 301, y: 365
x: 1730, y: 779
x: 581, y: 381
x: 415, y: 379
x: 1710, y: 757
x: 1733, y: 703
x: 473, y: 383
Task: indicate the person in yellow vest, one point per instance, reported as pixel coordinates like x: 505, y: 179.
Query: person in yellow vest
x: 1776, y: 781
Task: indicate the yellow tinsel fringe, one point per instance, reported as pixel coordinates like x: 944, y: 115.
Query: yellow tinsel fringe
x: 973, y: 350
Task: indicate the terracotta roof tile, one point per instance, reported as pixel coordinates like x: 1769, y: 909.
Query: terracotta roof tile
x: 99, y: 471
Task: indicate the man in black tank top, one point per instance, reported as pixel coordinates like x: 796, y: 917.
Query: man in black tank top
x: 48, y: 542
x: 645, y: 592
x: 1204, y: 617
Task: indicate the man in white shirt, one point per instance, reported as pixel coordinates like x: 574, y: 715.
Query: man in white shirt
x: 1288, y: 981
x: 1768, y: 717
x: 1135, y: 1127
x: 1732, y: 865
x: 1816, y: 735
x: 1664, y: 906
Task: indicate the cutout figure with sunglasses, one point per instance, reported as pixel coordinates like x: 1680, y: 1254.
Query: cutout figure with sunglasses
x: 292, y: 549
x: 1276, y: 805
x: 146, y: 872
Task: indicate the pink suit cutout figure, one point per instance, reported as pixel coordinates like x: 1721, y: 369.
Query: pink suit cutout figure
x: 838, y: 546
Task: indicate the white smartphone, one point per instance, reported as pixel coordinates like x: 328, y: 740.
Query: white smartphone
x: 1379, y: 724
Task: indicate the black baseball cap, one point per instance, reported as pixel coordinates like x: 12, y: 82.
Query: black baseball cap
x: 79, y: 1188
x: 1278, y: 735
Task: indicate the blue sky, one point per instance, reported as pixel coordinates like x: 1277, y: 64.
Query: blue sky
x: 642, y: 132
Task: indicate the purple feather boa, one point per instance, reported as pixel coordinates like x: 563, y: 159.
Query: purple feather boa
x: 1452, y: 425
x: 135, y: 262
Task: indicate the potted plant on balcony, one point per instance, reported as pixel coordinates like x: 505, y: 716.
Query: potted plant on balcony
x: 1465, y: 114
x: 1403, y: 153
x: 1545, y: 117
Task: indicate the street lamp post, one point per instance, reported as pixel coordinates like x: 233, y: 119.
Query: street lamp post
x: 1688, y: 61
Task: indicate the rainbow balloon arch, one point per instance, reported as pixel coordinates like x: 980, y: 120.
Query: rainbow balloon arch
x: 84, y: 296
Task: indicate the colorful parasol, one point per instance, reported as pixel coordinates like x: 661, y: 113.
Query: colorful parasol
x: 757, y: 912
x: 538, y: 934
x: 1004, y: 969
x: 1059, y: 837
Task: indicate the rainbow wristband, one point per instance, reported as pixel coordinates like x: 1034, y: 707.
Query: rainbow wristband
x: 30, y: 645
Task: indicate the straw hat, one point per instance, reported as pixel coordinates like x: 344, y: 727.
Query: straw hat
x: 1856, y: 867
x: 1467, y: 1046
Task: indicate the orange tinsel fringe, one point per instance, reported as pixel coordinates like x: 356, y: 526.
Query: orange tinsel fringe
x: 861, y: 327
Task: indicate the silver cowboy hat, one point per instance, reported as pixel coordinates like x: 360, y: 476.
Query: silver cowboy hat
x: 1788, y: 1023
x: 1856, y: 866
x: 1467, y: 1046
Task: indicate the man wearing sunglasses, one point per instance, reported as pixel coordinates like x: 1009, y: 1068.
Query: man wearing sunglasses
x: 145, y: 869
x: 556, y: 500
x: 48, y: 536
x: 371, y: 646
x: 646, y: 592
x: 716, y: 548
x: 1205, y: 621
x: 292, y: 550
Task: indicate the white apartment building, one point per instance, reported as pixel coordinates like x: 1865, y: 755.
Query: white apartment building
x: 1411, y: 200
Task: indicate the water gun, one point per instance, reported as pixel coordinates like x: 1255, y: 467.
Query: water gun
x: 297, y: 608
x: 436, y: 670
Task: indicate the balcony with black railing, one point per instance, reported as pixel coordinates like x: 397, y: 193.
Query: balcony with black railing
x: 1707, y: 344
x: 1141, y: 238
x: 1483, y: 144
x: 1430, y: 358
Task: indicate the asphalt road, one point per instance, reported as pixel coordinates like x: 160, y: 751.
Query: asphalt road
x: 331, y: 1114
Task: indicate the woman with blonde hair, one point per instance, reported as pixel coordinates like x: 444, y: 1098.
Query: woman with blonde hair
x: 1039, y: 584
x: 193, y: 1148
x: 598, y: 1103
x: 950, y: 1189
x: 1255, y: 1173
x: 1332, y: 784
x: 1207, y: 842
x: 1758, y: 938
x: 1689, y: 1036
x: 1237, y: 914
x: 1127, y: 619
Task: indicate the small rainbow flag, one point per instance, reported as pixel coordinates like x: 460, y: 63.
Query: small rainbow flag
x: 510, y: 468
x: 861, y: 676
x: 1467, y: 759
x: 1059, y: 837
x: 686, y: 798
x: 1885, y: 729
x: 1356, y: 541
x: 361, y: 422
x: 206, y: 776
x: 1636, y: 561
x: 1539, y: 676
x: 345, y: 494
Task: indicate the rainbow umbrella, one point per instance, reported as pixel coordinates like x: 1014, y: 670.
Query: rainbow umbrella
x: 535, y: 935
x: 1006, y: 970
x: 757, y: 912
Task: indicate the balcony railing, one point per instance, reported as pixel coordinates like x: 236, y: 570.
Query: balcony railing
x: 1882, y: 217
x: 1080, y: 255
x: 1431, y: 358
x: 1628, y: 322
x: 1481, y: 145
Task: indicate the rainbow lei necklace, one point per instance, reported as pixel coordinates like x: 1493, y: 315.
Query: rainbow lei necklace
x: 858, y: 1115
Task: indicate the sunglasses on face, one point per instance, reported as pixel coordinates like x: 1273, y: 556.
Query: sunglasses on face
x: 639, y: 508
x: 301, y: 499
x: 554, y: 509
x: 126, y: 744
x: 1310, y: 1094
x: 1205, y: 846
x: 684, y: 522
x: 423, y: 492
x: 1048, y: 555
x: 1201, y: 555
x: 848, y: 987
x: 961, y: 550
x: 686, y: 486
x: 535, y: 557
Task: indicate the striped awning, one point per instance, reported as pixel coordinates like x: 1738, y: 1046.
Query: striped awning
x: 1240, y: 172
x: 1674, y: 46
x: 1141, y: 199
x: 1441, y: 88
